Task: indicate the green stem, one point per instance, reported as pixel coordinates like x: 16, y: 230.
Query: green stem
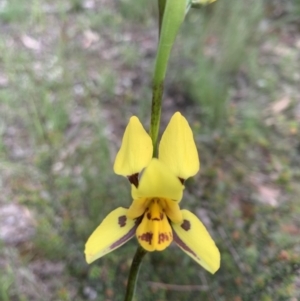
x: 157, y: 91
x: 171, y: 15
x: 161, y: 10
x: 134, y: 271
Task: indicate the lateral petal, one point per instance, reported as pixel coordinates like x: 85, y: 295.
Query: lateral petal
x: 192, y: 237
x: 158, y: 181
x: 136, y: 149
x: 173, y: 211
x: 137, y: 208
x: 177, y: 148
x: 115, y: 230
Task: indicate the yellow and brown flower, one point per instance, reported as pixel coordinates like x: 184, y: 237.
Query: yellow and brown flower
x: 154, y: 215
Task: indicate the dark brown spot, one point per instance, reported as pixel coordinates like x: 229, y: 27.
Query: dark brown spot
x: 148, y: 215
x: 134, y: 179
x: 122, y: 220
x: 138, y: 220
x: 162, y: 237
x: 161, y: 216
x: 181, y: 180
x: 186, y: 225
x: 146, y: 237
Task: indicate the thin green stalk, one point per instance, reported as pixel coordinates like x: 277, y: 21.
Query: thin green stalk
x: 171, y: 15
x: 157, y: 92
x: 134, y: 271
x: 161, y: 10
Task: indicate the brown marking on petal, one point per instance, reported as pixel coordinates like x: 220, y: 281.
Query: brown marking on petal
x: 138, y: 220
x: 149, y: 215
x: 147, y: 237
x: 134, y: 179
x: 182, y: 245
x: 181, y: 180
x: 161, y: 216
x: 122, y: 220
x: 124, y: 238
x: 162, y: 237
x: 186, y: 225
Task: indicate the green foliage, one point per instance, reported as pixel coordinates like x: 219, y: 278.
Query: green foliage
x: 223, y: 44
x: 136, y: 10
x: 14, y: 11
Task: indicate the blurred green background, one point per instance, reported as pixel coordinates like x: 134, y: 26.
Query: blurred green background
x: 73, y: 72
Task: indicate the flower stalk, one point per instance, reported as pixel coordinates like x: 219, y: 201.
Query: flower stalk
x: 171, y: 16
x: 161, y: 10
x: 134, y: 271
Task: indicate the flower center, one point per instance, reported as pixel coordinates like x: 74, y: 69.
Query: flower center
x: 154, y: 232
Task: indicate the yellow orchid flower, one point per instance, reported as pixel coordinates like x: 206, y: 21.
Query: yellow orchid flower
x: 154, y: 215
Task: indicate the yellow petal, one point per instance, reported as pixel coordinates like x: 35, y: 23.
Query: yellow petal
x: 193, y: 238
x: 137, y: 207
x: 173, y: 211
x: 154, y: 232
x: 158, y: 181
x: 113, y: 232
x: 177, y: 148
x: 170, y: 207
x: 136, y: 149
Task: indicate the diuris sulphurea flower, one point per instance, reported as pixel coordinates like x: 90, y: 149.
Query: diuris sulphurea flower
x: 154, y: 216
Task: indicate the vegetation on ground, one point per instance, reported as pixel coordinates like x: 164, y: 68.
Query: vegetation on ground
x: 73, y: 72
